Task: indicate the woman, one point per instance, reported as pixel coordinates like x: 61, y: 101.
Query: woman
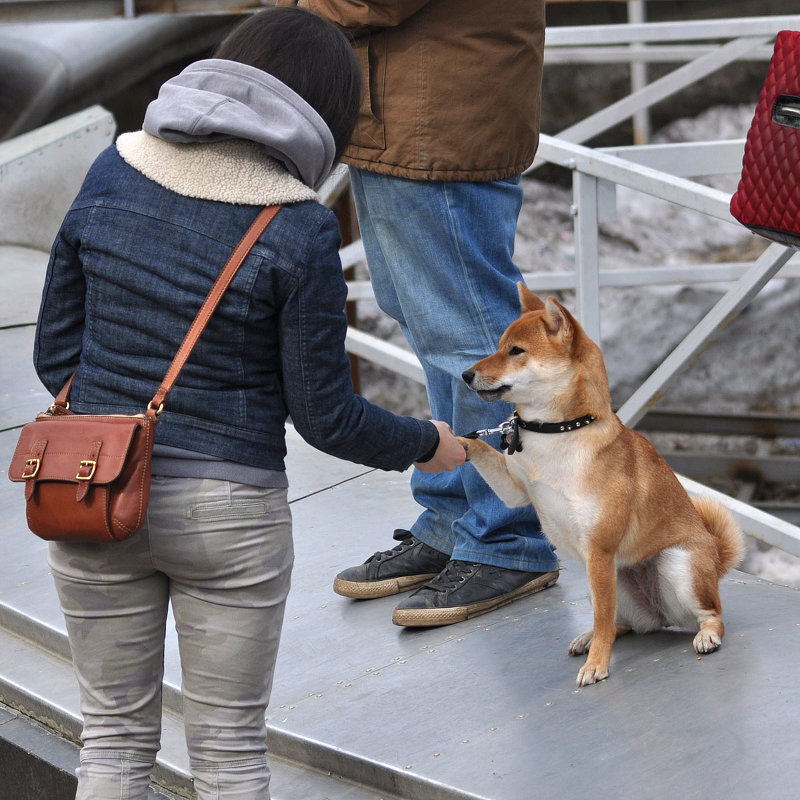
x: 261, y: 123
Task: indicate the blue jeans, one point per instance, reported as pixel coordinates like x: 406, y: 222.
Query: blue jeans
x: 440, y: 261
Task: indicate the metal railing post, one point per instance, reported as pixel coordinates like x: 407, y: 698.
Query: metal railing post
x: 587, y: 253
x: 641, y: 118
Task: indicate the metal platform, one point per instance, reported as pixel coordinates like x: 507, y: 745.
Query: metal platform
x: 484, y: 709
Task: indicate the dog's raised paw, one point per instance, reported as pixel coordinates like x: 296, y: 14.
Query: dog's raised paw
x: 591, y: 673
x: 475, y: 448
x: 707, y: 642
x: 580, y: 644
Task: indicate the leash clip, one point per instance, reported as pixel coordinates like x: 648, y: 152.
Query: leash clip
x: 503, y: 427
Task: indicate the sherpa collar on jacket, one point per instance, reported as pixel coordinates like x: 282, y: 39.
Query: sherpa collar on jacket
x: 216, y: 99
x: 232, y: 171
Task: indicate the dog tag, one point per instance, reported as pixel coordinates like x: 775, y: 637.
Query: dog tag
x: 510, y: 440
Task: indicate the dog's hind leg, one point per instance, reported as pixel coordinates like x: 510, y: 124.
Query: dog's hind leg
x: 639, y: 596
x: 712, y: 629
x: 690, y: 588
x: 580, y: 644
x: 709, y: 614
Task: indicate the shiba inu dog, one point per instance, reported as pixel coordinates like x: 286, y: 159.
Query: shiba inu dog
x: 654, y: 557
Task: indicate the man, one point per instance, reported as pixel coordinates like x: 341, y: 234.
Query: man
x: 449, y: 121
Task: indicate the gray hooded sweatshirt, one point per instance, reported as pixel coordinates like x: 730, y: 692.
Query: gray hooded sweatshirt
x: 216, y: 99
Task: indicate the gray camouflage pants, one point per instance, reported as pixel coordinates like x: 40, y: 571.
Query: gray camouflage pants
x: 221, y: 554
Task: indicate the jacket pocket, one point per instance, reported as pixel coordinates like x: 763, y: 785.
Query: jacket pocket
x: 370, y: 131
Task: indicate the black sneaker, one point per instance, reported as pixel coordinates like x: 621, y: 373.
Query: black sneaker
x: 408, y: 565
x: 463, y: 590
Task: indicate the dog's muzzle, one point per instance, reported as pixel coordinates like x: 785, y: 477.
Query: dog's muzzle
x: 496, y: 393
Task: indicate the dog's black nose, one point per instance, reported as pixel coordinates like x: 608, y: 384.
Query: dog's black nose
x: 468, y: 375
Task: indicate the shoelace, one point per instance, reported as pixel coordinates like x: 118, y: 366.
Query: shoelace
x: 455, y: 572
x: 406, y: 541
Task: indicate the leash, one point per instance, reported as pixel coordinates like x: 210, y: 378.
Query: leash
x: 510, y: 429
x: 503, y: 427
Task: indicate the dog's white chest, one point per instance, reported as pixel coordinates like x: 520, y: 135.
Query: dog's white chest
x: 560, y: 493
x: 566, y: 520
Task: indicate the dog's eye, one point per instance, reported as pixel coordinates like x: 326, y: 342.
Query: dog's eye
x: 515, y: 351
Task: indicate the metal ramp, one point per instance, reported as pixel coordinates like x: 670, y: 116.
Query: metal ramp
x: 51, y: 69
x: 361, y: 710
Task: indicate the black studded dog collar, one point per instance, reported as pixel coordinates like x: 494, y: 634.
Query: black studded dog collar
x: 510, y: 429
x: 511, y: 440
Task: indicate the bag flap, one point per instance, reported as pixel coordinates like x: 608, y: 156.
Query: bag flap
x: 54, y: 447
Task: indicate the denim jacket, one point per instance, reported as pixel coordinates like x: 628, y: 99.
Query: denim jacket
x: 131, y: 265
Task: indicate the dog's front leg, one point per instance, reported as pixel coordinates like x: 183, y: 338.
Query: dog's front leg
x: 602, y: 573
x: 493, y: 468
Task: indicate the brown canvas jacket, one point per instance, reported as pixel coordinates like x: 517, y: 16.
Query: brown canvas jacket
x: 454, y: 86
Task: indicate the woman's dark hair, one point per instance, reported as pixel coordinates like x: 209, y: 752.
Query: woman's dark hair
x: 310, y: 56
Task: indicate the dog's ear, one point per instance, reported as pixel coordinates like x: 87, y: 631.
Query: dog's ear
x: 528, y: 301
x: 557, y: 319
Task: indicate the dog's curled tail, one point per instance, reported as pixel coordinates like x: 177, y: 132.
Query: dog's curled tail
x: 721, y: 524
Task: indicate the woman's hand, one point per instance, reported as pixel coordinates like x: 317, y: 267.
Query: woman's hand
x: 449, y: 454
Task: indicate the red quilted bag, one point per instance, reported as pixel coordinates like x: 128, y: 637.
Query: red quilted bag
x: 768, y: 198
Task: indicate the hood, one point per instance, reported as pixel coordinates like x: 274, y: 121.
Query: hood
x: 216, y: 99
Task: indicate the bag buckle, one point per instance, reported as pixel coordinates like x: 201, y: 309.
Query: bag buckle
x: 86, y: 464
x: 786, y: 111
x: 31, y: 468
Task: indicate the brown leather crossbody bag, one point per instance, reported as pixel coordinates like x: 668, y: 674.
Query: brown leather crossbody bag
x: 87, y: 476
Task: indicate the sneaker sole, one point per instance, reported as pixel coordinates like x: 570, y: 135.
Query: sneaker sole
x: 429, y: 617
x: 367, y: 590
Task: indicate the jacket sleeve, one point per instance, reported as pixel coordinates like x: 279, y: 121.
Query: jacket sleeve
x: 317, y: 387
x: 59, y: 329
x: 358, y: 16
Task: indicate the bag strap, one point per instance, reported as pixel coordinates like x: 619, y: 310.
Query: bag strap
x: 156, y: 405
x: 60, y: 404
